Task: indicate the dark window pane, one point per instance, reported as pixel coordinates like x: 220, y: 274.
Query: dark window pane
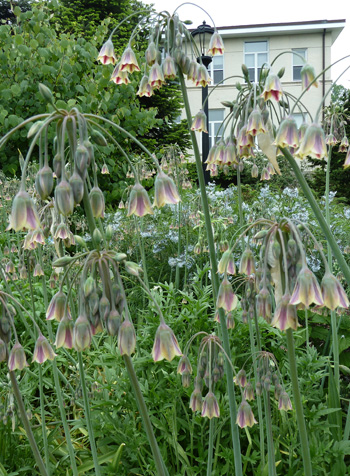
x: 296, y: 73
x: 218, y: 76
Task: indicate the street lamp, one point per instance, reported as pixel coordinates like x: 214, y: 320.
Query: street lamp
x: 204, y: 32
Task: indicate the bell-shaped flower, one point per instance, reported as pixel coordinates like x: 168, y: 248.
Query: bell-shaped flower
x: 265, y: 175
x: 264, y: 304
x: 196, y: 400
x: 184, y: 365
x: 64, y: 198
x: 247, y: 264
x: 165, y: 344
x: 82, y: 333
x: 285, y: 316
x: 248, y: 392
x: 106, y: 55
x: 127, y: 338
x: 64, y: 335
x: 17, y: 358
x: 245, y: 415
x: 313, y: 143
x: 306, y: 290
x: 23, y: 214
x: 169, y: 68
x: 203, y: 78
x: 119, y: 76
x: 216, y: 45
x: 155, y: 76
x: 43, y: 350
x: 144, y: 87
x: 308, y: 76
x: 38, y: 270
x: 139, y: 202
x: 97, y: 202
x: 226, y: 299
x: 284, y: 402
x: 57, y: 307
x: 347, y: 159
x: 199, y: 123
x: 104, y: 169
x: 227, y: 263
x: 333, y: 293
x: 255, y: 171
x: 273, y: 88
x: 210, y: 408
x: 331, y: 140
x: 255, y: 123
x: 287, y: 135
x: 230, y: 153
x: 344, y: 144
x: 128, y: 61
x: 165, y: 191
x: 193, y: 71
x: 241, y: 378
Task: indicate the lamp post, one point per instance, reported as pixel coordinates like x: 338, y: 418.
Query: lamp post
x: 204, y: 31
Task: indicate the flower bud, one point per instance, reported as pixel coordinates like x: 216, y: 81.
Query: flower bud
x: 113, y: 322
x: 89, y: 286
x: 43, y: 350
x: 81, y: 333
x: 104, y: 307
x: 127, y: 338
x: 165, y: 344
x: 57, y: 165
x: 64, y: 198
x: 44, y: 182
x: 46, y: 93
x: 3, y: 350
x: 77, y: 185
x: 97, y: 202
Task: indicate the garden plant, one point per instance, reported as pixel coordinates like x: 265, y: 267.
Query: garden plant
x: 205, y: 331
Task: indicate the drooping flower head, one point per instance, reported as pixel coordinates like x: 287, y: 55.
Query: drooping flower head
x: 156, y: 76
x: 199, y: 123
x: 255, y: 123
x: 203, y: 78
x: 165, y: 344
x: 43, y: 350
x: 169, y: 68
x: 273, y: 88
x: 128, y: 61
x: 287, y: 135
x: 144, y: 87
x: 226, y: 299
x: 210, y: 407
x: 285, y: 316
x: 119, y: 76
x: 313, y: 143
x: 333, y: 293
x: 23, y: 214
x: 106, y: 55
x: 139, y: 202
x: 165, y: 191
x: 308, y: 76
x: 216, y: 45
x: 307, y: 290
x: 245, y: 415
x: 126, y: 338
x: 64, y: 335
x: 17, y: 358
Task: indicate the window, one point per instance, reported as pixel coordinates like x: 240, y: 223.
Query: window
x: 298, y: 116
x: 216, y: 69
x: 255, y: 55
x: 216, y: 116
x: 298, y: 63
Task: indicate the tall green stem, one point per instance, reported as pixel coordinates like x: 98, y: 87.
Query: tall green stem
x: 161, y: 469
x: 215, y: 283
x: 318, y: 214
x: 26, y: 424
x: 210, y: 447
x: 304, y: 443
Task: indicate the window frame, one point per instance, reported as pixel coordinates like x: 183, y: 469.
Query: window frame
x: 297, y: 50
x: 211, y: 126
x: 256, y: 53
x: 212, y: 70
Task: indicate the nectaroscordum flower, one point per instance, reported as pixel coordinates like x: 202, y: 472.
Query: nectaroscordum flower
x: 156, y: 76
x: 347, y: 159
x: 308, y: 76
x: 284, y: 402
x: 144, y: 87
x: 333, y: 293
x: 106, y: 55
x: 17, y: 358
x: 64, y: 198
x: 247, y: 264
x: 23, y: 214
x: 306, y: 290
x: 165, y: 191
x: 226, y: 299
x: 210, y: 406
x: 313, y: 143
x: 273, y: 88
x: 43, y: 350
x: 287, y: 135
x: 285, y: 316
x: 196, y: 400
x: 199, y: 123
x: 64, y: 335
x: 151, y: 53
x: 344, y: 144
x: 216, y: 45
x: 97, y: 202
x: 255, y: 123
x: 227, y: 263
x: 82, y: 333
x: 126, y: 338
x: 57, y: 307
x: 139, y: 202
x: 203, y: 78
x: 165, y: 344
x: 119, y: 76
x: 168, y: 67
x: 245, y: 415
x: 128, y: 61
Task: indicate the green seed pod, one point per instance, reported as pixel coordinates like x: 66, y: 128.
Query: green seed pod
x: 97, y: 137
x: 77, y: 184
x: 97, y: 202
x: 46, y: 93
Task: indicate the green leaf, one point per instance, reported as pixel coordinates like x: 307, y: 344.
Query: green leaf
x: 18, y: 40
x: 16, y: 89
